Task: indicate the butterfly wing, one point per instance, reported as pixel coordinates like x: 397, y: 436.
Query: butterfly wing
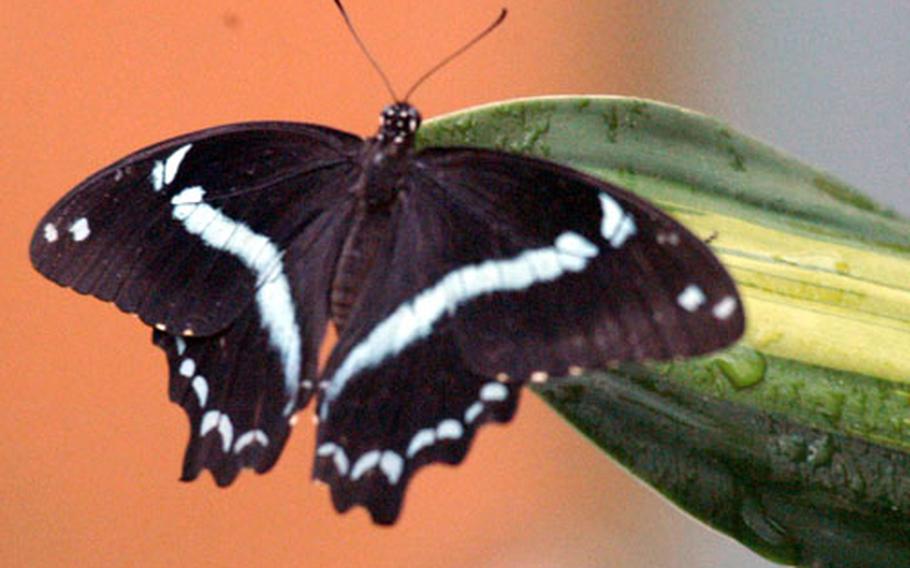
x: 595, y: 274
x: 501, y: 268
x: 240, y: 386
x: 225, y: 241
x: 182, y: 233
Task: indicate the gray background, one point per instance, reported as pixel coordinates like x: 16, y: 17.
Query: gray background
x: 827, y: 81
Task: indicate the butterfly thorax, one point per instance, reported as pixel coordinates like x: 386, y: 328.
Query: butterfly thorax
x: 378, y: 190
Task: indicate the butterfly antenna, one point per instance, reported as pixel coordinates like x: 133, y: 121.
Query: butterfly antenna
x: 459, y: 51
x: 363, y: 48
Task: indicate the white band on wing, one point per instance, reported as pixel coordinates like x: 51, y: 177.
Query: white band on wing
x: 261, y: 255
x: 415, y: 319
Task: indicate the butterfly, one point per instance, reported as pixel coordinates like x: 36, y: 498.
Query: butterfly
x: 453, y: 275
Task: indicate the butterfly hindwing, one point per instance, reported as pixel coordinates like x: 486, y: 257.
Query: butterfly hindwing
x: 501, y: 269
x: 417, y: 406
x: 241, y: 386
x: 228, y: 385
x: 420, y: 408
x: 183, y: 232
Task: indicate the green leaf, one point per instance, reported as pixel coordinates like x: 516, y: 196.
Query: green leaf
x: 795, y: 442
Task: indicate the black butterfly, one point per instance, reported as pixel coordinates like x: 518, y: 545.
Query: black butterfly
x: 454, y: 276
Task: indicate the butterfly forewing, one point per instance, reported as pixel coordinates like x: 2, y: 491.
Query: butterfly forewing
x: 180, y: 233
x: 612, y: 277
x: 502, y: 269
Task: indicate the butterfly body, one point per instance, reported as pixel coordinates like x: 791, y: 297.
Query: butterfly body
x: 454, y: 276
x: 379, y: 188
x: 358, y: 255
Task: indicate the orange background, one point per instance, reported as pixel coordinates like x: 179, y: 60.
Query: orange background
x: 90, y: 447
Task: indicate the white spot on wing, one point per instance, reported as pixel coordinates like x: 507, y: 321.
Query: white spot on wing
x: 724, y: 308
x: 422, y: 439
x: 164, y: 172
x: 201, y: 388
x: 50, y: 232
x: 253, y: 436
x: 181, y: 345
x: 415, y: 319
x: 189, y: 196
x: 215, y: 419
x: 365, y: 463
x: 326, y: 449
x: 157, y: 176
x: 691, y: 298
x: 449, y: 429
x: 576, y: 245
x: 391, y: 464
x: 493, y: 391
x: 209, y: 421
x: 226, y: 429
x: 626, y: 229
x: 259, y: 254
x: 340, y: 459
x: 187, y: 367
x: 612, y: 216
x: 671, y: 238
x: 473, y: 411
x: 80, y: 229
x: 172, y: 164
x: 539, y: 377
x: 616, y: 225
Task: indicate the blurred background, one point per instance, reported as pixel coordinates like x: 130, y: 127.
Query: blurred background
x: 91, y: 449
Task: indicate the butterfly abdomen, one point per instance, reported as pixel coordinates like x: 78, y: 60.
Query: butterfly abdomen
x: 370, y: 227
x: 378, y: 192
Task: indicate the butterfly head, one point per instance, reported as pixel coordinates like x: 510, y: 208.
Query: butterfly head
x: 398, y: 123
